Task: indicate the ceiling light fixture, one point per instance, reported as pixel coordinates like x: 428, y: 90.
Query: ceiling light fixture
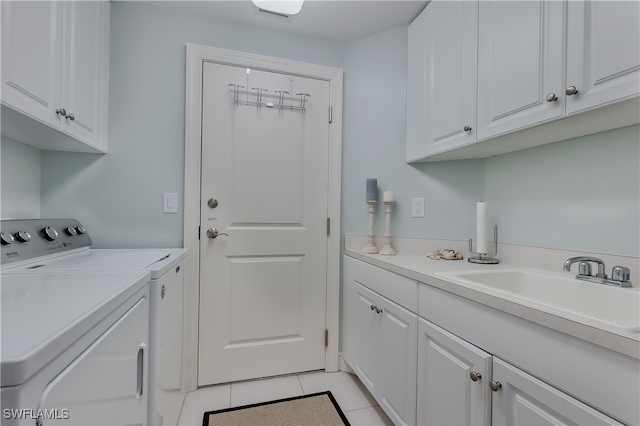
x: 284, y: 8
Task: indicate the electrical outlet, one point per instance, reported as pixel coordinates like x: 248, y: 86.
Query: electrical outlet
x: 417, y: 207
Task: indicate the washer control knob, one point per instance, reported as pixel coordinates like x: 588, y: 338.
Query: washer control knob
x: 22, y: 236
x: 6, y: 238
x: 70, y: 231
x: 49, y: 233
x: 80, y: 230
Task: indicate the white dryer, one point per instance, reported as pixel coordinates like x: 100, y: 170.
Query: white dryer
x: 166, y: 268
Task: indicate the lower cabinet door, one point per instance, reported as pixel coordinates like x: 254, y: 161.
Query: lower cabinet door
x: 521, y: 399
x: 453, y: 379
x: 366, y: 318
x: 398, y: 349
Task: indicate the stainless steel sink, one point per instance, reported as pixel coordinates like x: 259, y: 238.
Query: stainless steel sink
x: 615, y: 306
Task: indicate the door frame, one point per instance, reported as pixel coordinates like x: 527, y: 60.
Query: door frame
x: 196, y: 56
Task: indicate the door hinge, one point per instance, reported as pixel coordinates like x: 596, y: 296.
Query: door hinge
x: 326, y: 338
x: 198, y: 232
x: 330, y: 114
x: 328, y: 226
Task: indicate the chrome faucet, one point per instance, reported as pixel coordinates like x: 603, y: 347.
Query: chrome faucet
x: 620, y: 275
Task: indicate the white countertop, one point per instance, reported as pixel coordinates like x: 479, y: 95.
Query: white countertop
x: 417, y: 266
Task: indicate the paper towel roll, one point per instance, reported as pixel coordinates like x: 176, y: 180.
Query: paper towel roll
x: 481, y: 227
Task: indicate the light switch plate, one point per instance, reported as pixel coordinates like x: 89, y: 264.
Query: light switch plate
x: 170, y: 202
x: 417, y: 207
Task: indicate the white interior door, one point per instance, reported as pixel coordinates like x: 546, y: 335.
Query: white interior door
x: 262, y: 286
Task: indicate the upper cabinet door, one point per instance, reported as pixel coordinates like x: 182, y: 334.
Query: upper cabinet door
x: 520, y: 65
x: 416, y: 88
x: 451, y: 74
x: 31, y: 46
x: 603, y: 52
x: 84, y: 72
x: 441, y: 78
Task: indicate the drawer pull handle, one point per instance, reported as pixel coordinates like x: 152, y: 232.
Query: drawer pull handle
x: 495, y: 386
x: 375, y: 308
x: 475, y: 376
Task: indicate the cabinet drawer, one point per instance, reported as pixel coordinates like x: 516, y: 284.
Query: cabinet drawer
x: 398, y: 289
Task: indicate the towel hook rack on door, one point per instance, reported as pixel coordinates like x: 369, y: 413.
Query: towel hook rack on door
x: 260, y: 103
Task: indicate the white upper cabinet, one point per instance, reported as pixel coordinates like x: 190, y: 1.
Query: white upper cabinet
x: 31, y: 58
x: 55, y: 58
x: 603, y: 53
x: 528, y: 66
x: 520, y: 65
x: 416, y: 88
x: 442, y: 54
x: 85, y: 79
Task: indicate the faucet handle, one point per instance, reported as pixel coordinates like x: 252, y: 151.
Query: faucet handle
x: 621, y: 273
x: 584, y: 268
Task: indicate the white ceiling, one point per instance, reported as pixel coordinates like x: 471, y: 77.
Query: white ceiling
x: 335, y: 20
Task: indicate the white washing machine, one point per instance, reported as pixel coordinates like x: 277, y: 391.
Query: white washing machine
x: 166, y: 268
x: 74, y: 347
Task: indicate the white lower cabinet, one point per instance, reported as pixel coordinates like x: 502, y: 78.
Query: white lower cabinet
x: 380, y: 339
x: 421, y: 373
x: 460, y: 384
x: 521, y: 399
x: 385, y: 357
x: 453, y: 377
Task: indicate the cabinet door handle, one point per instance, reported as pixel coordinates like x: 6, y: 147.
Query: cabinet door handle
x: 62, y: 112
x: 467, y: 128
x: 495, y: 386
x: 70, y: 117
x: 375, y: 308
x: 571, y: 90
x: 475, y: 376
x: 552, y: 97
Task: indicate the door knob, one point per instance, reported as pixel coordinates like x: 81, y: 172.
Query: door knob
x: 552, y: 97
x: 571, y: 90
x: 213, y: 233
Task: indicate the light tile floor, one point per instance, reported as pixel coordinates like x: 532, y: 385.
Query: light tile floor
x: 354, y: 399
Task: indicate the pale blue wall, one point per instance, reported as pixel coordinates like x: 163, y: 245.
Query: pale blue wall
x: 20, y: 176
x: 373, y: 147
x: 119, y: 196
x: 579, y: 194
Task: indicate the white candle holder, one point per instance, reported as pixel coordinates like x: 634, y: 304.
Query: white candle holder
x: 387, y: 250
x: 370, y: 247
